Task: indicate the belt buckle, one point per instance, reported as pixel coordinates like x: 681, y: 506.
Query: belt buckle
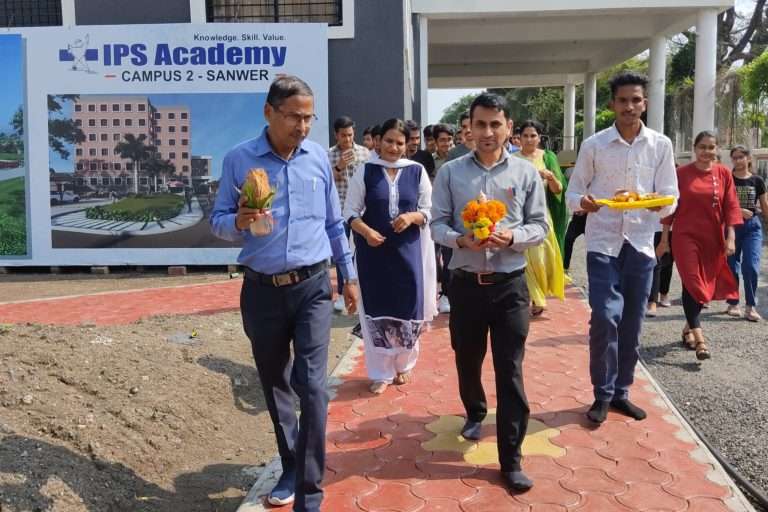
x: 291, y: 277
x: 480, y: 278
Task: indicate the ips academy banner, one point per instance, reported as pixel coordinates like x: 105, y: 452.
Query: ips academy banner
x: 128, y: 126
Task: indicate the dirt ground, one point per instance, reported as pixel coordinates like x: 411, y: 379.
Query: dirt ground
x: 126, y: 418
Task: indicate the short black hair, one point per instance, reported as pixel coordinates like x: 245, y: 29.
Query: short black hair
x: 530, y: 123
x: 441, y: 128
x: 428, y: 131
x: 376, y: 131
x: 628, y: 77
x: 286, y: 87
x: 411, y: 125
x: 464, y: 115
x: 395, y: 124
x: 342, y: 123
x: 489, y: 100
x: 368, y: 131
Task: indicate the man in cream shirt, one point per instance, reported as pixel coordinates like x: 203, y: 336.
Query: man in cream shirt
x: 620, y: 251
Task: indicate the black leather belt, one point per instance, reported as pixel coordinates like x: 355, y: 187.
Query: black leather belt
x: 286, y: 278
x: 486, y: 278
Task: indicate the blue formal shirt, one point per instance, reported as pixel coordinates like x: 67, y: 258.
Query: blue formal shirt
x: 308, y: 226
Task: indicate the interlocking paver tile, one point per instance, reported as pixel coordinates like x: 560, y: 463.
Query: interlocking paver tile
x: 644, y: 496
x: 680, y: 462
x: 617, y: 450
x: 493, y: 499
x: 707, y: 505
x: 577, y: 457
x: 337, y: 503
x: 403, y: 471
x: 549, y: 491
x: 456, y: 490
x: 351, y: 486
x: 594, y: 480
x: 593, y: 502
x: 638, y: 470
x: 689, y: 488
x: 392, y: 496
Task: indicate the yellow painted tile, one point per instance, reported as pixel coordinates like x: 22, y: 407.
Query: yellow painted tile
x: 446, y: 424
x: 537, y: 445
x: 449, y: 443
x: 486, y: 453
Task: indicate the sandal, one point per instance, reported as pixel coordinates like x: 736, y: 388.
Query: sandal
x: 378, y: 387
x: 536, y: 311
x: 688, y: 341
x: 702, y: 352
x: 402, y: 378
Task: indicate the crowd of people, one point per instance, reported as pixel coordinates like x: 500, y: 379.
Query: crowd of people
x: 389, y: 214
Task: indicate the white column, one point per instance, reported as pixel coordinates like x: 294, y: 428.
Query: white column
x: 706, y: 73
x: 569, y: 113
x: 590, y: 104
x: 423, y: 69
x: 68, y: 13
x: 197, y: 11
x: 657, y: 70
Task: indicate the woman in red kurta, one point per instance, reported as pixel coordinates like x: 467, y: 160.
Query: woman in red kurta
x: 707, y: 211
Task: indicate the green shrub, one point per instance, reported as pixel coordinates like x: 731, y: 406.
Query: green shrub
x: 13, y: 236
x: 140, y: 208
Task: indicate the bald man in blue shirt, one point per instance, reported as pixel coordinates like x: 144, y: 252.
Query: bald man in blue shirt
x: 286, y: 294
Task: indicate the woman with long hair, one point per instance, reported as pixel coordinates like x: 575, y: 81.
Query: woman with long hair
x: 544, y: 271
x: 704, y: 224
x: 750, y: 189
x: 388, y: 208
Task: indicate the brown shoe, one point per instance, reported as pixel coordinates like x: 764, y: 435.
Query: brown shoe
x: 752, y: 315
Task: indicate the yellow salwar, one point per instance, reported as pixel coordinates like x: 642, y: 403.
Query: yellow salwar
x: 544, y: 272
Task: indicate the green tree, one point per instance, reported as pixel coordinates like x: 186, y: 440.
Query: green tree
x: 754, y: 87
x: 62, y: 132
x: 451, y: 114
x: 156, y: 166
x: 137, y: 151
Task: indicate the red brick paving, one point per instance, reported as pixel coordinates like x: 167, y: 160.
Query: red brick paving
x: 375, y: 459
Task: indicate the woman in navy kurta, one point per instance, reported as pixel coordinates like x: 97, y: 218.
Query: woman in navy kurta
x: 387, y: 206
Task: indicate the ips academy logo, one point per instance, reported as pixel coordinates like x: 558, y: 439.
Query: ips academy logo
x: 79, y: 55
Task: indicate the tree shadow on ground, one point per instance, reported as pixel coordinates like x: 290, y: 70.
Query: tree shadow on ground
x: 105, y: 486
x: 247, y: 395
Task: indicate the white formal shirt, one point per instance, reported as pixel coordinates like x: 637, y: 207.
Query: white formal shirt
x: 607, y: 163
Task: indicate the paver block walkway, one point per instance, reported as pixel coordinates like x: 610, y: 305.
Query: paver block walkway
x: 124, y: 307
x: 402, y: 451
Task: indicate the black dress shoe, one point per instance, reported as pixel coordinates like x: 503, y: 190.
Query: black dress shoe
x: 627, y: 408
x: 598, y: 412
x: 471, y: 430
x: 517, y: 480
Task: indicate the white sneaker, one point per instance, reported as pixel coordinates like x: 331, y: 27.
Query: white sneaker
x: 338, y: 304
x: 444, y: 305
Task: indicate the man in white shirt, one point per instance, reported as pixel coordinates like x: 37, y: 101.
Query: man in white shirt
x: 620, y: 251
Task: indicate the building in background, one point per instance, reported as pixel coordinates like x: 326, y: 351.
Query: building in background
x: 201, y: 171
x: 106, y: 120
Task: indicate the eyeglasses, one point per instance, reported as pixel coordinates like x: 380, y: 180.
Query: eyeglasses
x: 295, y: 118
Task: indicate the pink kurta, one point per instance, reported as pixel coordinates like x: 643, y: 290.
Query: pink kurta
x: 707, y: 205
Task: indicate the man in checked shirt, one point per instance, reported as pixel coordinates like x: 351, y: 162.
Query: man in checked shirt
x: 345, y: 157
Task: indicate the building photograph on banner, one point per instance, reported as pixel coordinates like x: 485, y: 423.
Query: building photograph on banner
x: 129, y: 125
x: 142, y: 171
x: 13, y: 201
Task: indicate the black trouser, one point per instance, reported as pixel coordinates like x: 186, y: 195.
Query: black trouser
x: 662, y: 272
x: 444, y: 273
x: 273, y: 317
x: 501, y: 308
x: 576, y: 228
x: 692, y: 309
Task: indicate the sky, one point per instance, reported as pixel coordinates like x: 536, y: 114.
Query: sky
x: 218, y: 121
x: 11, y: 86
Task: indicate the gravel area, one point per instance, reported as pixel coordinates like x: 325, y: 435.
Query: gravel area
x: 725, y: 397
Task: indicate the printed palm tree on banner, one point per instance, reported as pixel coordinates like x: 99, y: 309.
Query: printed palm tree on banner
x: 156, y: 166
x: 137, y: 151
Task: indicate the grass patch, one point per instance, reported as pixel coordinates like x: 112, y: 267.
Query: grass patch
x: 139, y: 208
x: 10, y: 156
x: 13, y: 218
